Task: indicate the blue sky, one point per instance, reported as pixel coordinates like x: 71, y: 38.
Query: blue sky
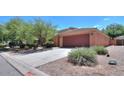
x: 73, y: 21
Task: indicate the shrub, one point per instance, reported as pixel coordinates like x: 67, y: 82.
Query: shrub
x: 12, y: 44
x: 22, y: 46
x: 49, y: 44
x: 82, y: 56
x: 2, y: 45
x: 30, y: 45
x: 100, y: 50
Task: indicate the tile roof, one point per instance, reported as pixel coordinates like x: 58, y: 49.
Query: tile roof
x: 72, y: 29
x: 75, y: 29
x: 120, y: 37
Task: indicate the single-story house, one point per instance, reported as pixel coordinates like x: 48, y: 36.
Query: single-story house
x: 81, y: 37
x: 119, y: 40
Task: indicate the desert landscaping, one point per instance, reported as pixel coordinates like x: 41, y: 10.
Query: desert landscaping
x: 38, y: 48
x: 62, y: 67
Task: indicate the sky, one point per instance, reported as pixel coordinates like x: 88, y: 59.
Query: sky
x: 63, y: 22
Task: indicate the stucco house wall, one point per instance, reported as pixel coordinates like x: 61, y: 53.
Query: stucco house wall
x: 81, y: 37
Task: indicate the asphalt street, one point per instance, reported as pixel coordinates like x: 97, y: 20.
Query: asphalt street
x: 6, y: 69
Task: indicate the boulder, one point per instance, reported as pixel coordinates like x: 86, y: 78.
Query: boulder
x: 112, y: 62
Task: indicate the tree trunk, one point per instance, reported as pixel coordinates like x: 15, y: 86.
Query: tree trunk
x: 40, y: 41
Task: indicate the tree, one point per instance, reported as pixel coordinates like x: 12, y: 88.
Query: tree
x: 49, y: 32
x: 29, y: 33
x: 114, y: 30
x: 39, y: 27
x: 15, y: 27
x: 43, y: 31
x: 19, y: 32
x: 3, y: 34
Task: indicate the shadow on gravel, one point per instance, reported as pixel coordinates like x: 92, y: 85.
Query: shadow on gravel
x: 30, y: 51
x: 4, y: 50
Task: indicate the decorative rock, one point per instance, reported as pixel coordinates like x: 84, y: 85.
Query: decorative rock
x: 108, y: 55
x: 112, y: 62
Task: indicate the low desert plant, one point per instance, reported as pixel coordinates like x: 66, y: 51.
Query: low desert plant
x: 30, y: 45
x: 100, y: 50
x: 82, y: 56
x: 2, y: 45
x: 49, y: 44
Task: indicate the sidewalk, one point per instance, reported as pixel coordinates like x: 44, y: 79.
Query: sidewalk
x: 7, y: 69
x: 23, y: 68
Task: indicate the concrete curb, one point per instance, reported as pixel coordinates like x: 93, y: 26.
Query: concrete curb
x: 22, y: 67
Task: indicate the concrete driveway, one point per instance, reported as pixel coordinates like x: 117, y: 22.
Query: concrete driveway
x: 40, y: 58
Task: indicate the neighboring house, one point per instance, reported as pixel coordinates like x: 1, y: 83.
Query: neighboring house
x: 81, y: 37
x: 119, y: 40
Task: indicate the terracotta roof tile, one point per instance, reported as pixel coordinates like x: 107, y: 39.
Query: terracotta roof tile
x: 75, y: 29
x: 120, y: 37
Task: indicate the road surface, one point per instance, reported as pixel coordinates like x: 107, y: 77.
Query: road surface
x: 6, y: 69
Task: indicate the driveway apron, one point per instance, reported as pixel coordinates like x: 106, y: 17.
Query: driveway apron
x: 40, y: 58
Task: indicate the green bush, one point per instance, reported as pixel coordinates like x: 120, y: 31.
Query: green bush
x: 100, y: 50
x: 2, y: 45
x: 82, y: 56
x: 30, y: 45
x: 49, y: 44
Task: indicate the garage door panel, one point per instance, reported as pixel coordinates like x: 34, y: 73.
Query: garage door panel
x: 120, y: 42
x: 76, y: 41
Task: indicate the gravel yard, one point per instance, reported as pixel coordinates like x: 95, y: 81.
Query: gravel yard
x: 62, y: 67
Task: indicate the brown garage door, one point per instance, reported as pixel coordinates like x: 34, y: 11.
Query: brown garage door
x: 76, y: 41
x: 120, y: 42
